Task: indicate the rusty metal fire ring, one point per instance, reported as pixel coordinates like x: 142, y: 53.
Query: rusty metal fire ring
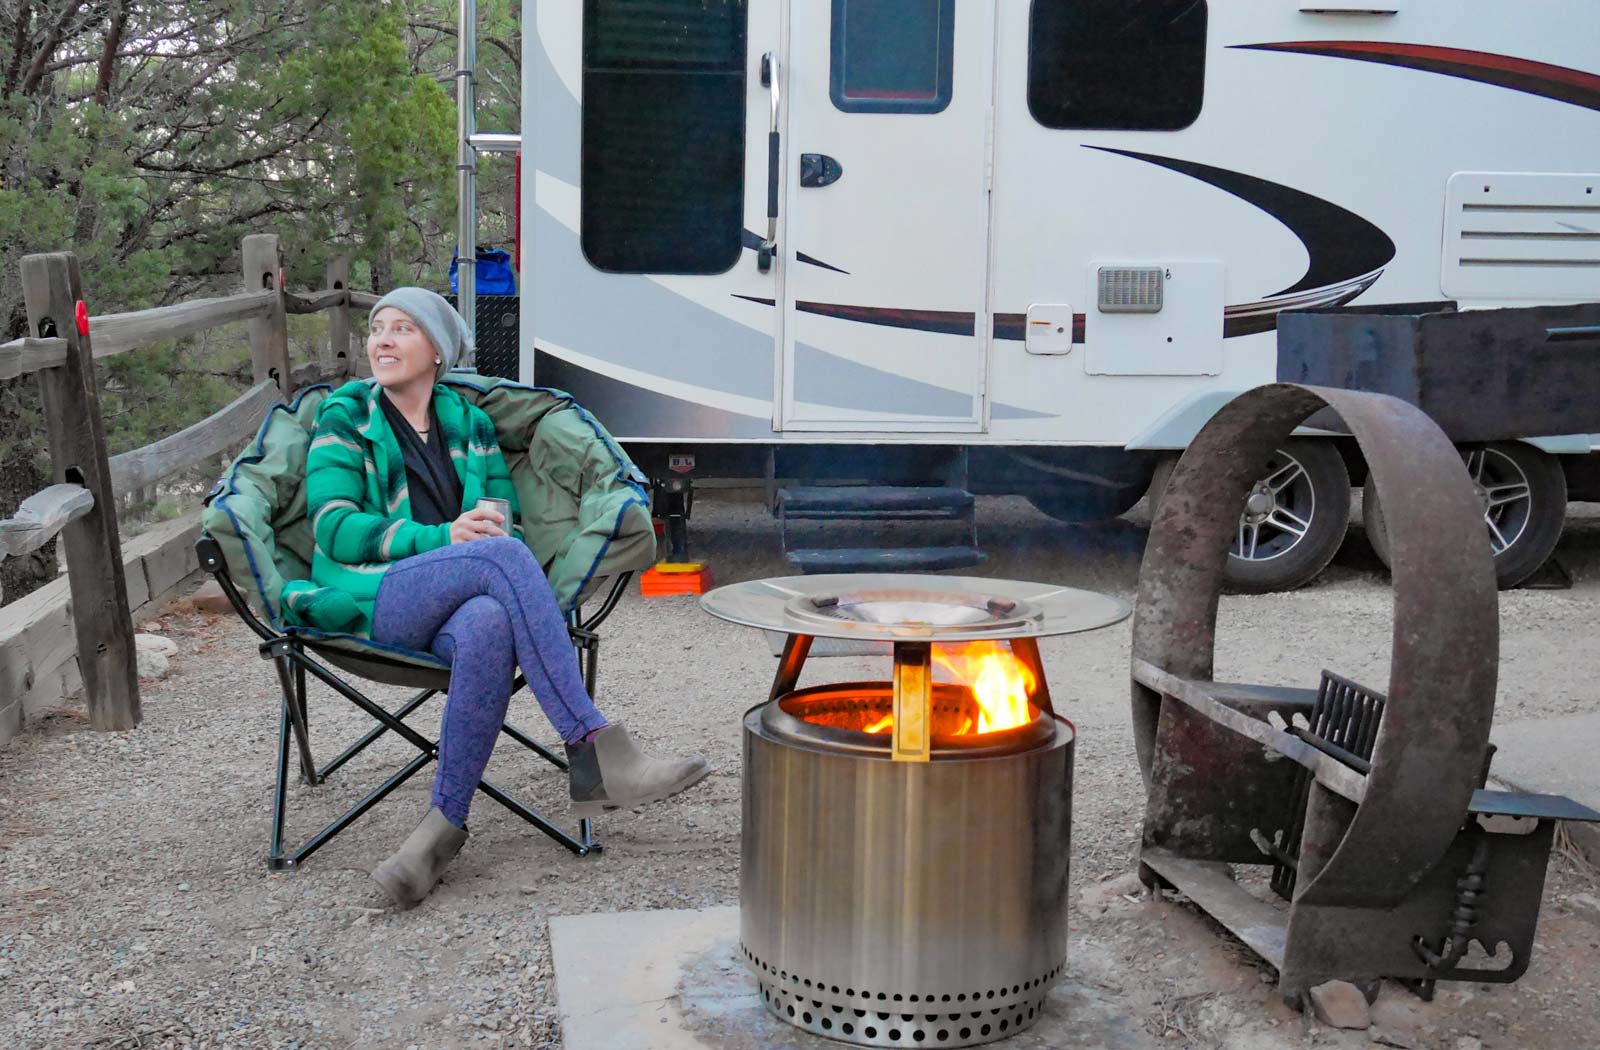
x: 1428, y: 753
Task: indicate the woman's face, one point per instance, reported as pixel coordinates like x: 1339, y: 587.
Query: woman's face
x: 399, y: 350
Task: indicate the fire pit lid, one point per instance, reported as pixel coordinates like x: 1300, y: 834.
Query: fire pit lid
x: 905, y: 607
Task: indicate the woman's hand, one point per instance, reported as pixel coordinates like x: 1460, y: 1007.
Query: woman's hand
x: 476, y: 524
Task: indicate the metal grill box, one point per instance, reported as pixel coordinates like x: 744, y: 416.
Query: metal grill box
x: 1483, y: 375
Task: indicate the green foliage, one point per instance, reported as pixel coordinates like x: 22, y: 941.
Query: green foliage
x: 329, y: 122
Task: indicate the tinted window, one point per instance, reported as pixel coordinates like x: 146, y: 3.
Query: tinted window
x: 663, y: 134
x: 892, y: 56
x: 1136, y: 65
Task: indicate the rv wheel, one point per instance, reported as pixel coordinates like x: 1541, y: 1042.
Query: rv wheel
x: 1158, y: 481
x: 1088, y: 502
x: 1293, y: 521
x: 1524, y: 494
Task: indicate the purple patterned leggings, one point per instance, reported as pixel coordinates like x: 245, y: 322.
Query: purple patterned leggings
x: 486, y: 608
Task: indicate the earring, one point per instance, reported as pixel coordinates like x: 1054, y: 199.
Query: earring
x: 438, y: 361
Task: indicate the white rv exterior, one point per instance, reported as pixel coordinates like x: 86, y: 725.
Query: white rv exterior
x: 972, y: 217
x: 944, y: 288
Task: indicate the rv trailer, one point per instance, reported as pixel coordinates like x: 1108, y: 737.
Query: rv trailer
x: 1030, y: 246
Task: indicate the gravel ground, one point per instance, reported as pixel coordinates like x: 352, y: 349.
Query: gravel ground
x: 135, y: 910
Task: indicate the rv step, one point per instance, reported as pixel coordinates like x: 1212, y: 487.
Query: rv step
x: 876, y: 559
x: 873, y: 501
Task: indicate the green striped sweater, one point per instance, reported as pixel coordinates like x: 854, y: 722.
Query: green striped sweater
x: 359, y: 506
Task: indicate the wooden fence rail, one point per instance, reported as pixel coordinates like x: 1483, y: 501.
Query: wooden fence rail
x: 22, y: 356
x: 80, y: 506
x: 224, y: 429
x: 118, y: 333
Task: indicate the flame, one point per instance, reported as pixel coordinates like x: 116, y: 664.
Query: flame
x: 1000, y: 682
x: 881, y: 725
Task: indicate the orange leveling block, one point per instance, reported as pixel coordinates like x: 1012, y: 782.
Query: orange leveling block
x: 675, y: 577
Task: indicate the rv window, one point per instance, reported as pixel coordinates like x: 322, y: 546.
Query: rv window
x: 892, y: 56
x: 1132, y: 65
x: 663, y: 135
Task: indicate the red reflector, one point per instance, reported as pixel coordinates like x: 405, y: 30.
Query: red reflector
x: 81, y: 312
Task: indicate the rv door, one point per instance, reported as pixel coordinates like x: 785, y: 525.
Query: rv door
x: 886, y: 323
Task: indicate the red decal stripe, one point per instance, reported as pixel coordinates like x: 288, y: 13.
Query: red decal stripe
x: 1562, y: 83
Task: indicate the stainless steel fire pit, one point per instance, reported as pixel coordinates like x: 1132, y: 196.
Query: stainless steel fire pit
x: 904, y: 866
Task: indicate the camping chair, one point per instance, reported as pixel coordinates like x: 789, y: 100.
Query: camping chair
x: 584, y: 514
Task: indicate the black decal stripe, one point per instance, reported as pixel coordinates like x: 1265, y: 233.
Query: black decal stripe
x: 803, y: 257
x: 944, y: 322
x: 1342, y: 245
x: 1013, y: 326
x: 1561, y: 83
x: 752, y: 240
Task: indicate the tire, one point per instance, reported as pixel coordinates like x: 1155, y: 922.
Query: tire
x: 1158, y: 481
x: 1298, y: 521
x: 1523, y: 528
x: 1074, y: 504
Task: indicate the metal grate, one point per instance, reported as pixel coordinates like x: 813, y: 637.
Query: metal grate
x: 499, y: 347
x: 1131, y: 289
x: 1346, y: 716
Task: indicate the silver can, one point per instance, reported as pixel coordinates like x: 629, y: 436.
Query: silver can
x: 500, y: 507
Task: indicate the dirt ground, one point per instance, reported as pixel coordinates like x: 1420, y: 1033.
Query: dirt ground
x: 135, y: 910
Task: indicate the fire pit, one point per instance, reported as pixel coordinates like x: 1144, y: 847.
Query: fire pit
x: 905, y: 842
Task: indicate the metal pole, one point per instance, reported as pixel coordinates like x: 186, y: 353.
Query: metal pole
x: 467, y: 165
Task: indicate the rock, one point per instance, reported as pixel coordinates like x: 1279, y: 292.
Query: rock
x: 156, y: 643
x: 208, y: 598
x: 152, y: 664
x: 1468, y: 1042
x: 1341, y: 1005
x: 1585, y: 906
x: 1398, y: 1012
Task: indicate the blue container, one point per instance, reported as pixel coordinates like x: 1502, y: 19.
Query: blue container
x: 495, y: 275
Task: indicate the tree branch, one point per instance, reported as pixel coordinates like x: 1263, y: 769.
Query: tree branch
x: 108, y: 56
x: 47, y: 48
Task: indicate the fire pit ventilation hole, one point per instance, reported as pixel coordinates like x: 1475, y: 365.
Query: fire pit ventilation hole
x: 988, y: 1023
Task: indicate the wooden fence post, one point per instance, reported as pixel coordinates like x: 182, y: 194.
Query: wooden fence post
x: 269, y: 336
x: 51, y: 288
x: 339, y: 320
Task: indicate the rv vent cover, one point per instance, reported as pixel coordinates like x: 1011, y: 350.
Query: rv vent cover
x: 1532, y: 236
x: 1130, y: 289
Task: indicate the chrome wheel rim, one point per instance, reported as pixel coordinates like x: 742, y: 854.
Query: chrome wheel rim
x: 1506, y: 495
x: 1278, y: 511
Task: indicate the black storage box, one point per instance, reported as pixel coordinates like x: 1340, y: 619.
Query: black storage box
x: 1483, y: 375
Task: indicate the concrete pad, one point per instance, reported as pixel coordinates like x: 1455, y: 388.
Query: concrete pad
x: 1554, y: 756
x: 674, y: 980
x: 617, y: 975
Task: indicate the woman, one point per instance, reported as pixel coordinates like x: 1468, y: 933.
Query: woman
x: 402, y: 554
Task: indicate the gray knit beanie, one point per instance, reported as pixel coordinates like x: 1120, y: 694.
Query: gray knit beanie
x: 446, y: 328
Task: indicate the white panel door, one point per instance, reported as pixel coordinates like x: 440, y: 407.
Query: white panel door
x: 886, y: 321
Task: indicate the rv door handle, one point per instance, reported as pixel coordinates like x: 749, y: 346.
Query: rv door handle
x: 819, y: 169
x: 769, y: 247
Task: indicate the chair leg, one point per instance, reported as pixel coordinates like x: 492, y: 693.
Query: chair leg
x: 294, y: 704
x: 284, y: 652
x: 372, y: 734
x: 582, y: 847
x: 375, y: 796
x: 275, y: 858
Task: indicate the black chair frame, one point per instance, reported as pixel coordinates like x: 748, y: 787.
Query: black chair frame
x: 291, y: 653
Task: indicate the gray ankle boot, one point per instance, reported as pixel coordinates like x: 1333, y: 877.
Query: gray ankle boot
x: 416, y: 867
x: 610, y: 772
